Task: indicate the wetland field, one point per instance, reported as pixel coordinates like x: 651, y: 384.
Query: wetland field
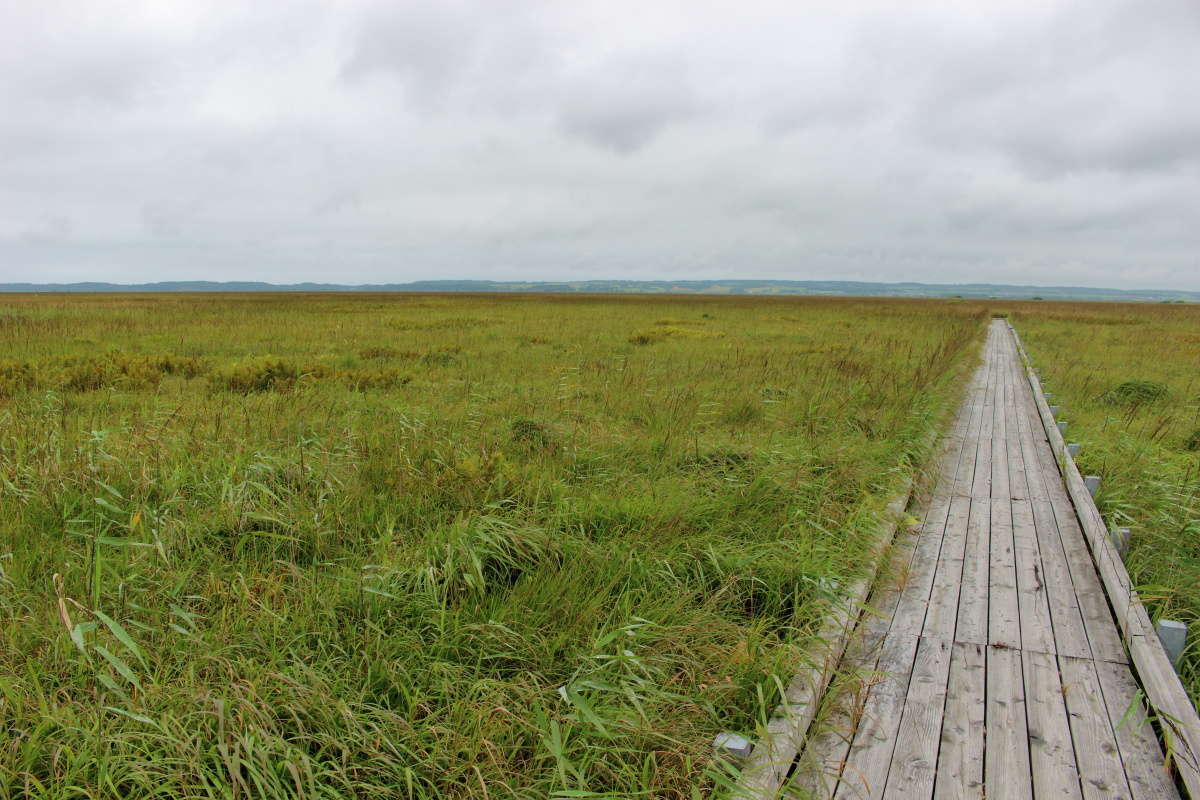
x: 484, y: 546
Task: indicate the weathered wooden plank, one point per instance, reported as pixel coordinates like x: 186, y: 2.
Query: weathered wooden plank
x: 1018, y: 482
x: 981, y: 483
x: 819, y: 767
x: 1035, y: 486
x: 964, y: 470
x: 952, y: 446
x: 979, y: 428
x: 867, y: 761
x: 870, y: 756
x: 1103, y: 638
x: 973, y: 597
x: 914, y: 599
x: 1096, y: 752
x: 942, y: 610
x: 1092, y: 601
x: 1001, y: 486
x: 1140, y: 750
x: 1004, y: 627
x: 947, y: 465
x: 1037, y: 631
x: 1000, y: 469
x: 1051, y: 753
x: 915, y: 758
x: 1006, y: 759
x: 1070, y: 636
x: 1172, y: 706
x: 973, y: 400
x: 960, y: 762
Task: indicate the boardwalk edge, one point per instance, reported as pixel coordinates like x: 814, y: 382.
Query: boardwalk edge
x: 1178, y: 721
x: 776, y: 750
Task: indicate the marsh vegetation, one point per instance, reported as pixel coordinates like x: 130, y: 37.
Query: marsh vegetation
x: 433, y: 546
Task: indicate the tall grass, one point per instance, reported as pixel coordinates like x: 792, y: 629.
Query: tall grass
x: 1128, y: 379
x: 429, y: 546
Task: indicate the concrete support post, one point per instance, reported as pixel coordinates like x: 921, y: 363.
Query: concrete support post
x: 1173, y: 635
x: 1121, y: 539
x: 732, y: 747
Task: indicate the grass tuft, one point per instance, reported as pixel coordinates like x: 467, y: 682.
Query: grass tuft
x: 1135, y: 393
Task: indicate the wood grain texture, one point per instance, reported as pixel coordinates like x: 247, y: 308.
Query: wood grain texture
x: 1006, y: 757
x: 960, y: 762
x: 915, y: 758
x: 1051, y: 750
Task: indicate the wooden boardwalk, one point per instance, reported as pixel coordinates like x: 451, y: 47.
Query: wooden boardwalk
x: 993, y: 667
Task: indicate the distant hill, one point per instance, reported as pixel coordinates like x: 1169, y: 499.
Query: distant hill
x: 741, y: 287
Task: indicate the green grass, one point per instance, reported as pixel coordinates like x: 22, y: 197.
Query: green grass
x: 1128, y: 380
x: 430, y: 546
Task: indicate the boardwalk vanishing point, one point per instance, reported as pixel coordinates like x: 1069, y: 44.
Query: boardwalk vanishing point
x: 991, y: 666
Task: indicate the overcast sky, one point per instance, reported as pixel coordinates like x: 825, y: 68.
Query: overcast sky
x: 1024, y: 141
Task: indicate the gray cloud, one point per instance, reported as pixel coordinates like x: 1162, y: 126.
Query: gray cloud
x: 1047, y: 142
x: 626, y: 103
x: 427, y: 48
x: 1087, y: 88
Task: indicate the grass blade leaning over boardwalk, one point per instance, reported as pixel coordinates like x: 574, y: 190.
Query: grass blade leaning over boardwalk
x: 426, y: 546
